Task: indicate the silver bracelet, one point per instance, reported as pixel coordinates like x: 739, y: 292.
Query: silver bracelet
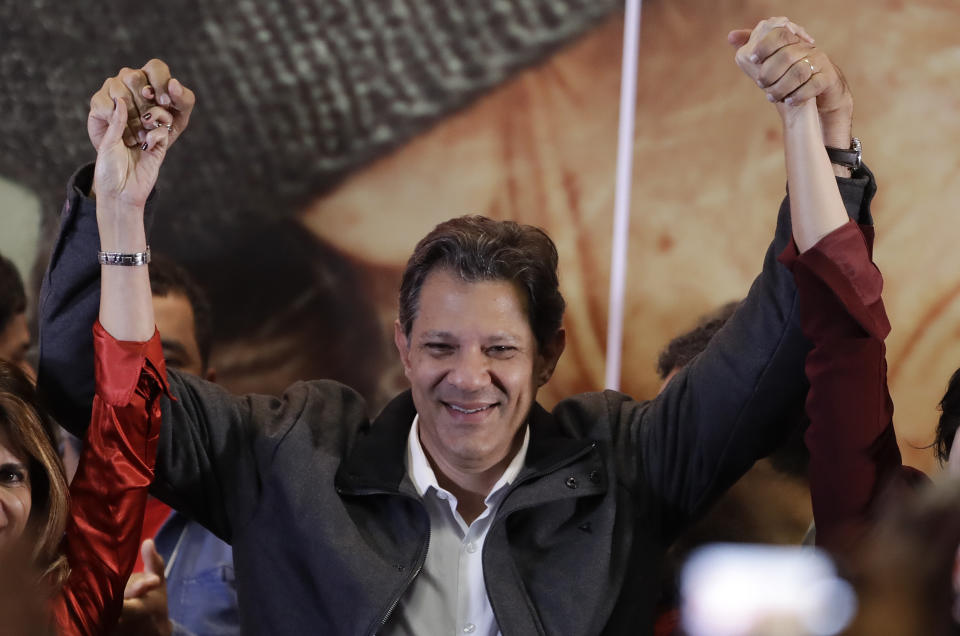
x: 128, y: 260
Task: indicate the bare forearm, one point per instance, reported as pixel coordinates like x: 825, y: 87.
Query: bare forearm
x: 126, y: 304
x: 816, y: 206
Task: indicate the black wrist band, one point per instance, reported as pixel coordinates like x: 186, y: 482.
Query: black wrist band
x: 849, y: 157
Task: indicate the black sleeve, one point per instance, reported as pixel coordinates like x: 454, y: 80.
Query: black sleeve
x: 724, y: 410
x: 68, y: 306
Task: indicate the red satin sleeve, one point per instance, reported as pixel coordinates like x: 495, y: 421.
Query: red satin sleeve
x: 854, y: 458
x: 109, y: 491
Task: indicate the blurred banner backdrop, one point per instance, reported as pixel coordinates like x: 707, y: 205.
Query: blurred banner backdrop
x: 330, y: 135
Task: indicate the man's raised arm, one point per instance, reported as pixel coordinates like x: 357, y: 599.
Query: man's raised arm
x: 720, y: 414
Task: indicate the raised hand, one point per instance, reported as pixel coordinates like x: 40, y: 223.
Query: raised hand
x: 782, y: 59
x: 123, y: 179
x: 143, y: 90
x: 127, y: 175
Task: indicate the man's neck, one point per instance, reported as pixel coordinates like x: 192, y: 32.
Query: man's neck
x: 471, y: 487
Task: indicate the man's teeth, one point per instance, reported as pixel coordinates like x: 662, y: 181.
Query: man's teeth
x: 468, y: 411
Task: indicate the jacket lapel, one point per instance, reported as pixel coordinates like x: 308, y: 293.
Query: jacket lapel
x: 377, y: 462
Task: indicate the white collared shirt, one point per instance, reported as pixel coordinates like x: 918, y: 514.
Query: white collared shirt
x: 449, y: 596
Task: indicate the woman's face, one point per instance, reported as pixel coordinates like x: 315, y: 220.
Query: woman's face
x: 14, y: 493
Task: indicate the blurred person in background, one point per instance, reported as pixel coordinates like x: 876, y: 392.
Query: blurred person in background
x: 906, y: 569
x: 14, y: 331
x: 946, y: 436
x: 15, y: 344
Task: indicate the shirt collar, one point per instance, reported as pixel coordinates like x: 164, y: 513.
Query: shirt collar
x: 423, y: 477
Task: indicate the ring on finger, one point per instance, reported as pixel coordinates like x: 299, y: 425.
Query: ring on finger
x: 813, y: 69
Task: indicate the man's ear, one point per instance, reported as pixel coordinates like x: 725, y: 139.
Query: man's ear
x: 403, y: 345
x: 550, y: 355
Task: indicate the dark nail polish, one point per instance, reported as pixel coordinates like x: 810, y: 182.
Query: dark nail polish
x: 144, y: 146
x: 147, y: 117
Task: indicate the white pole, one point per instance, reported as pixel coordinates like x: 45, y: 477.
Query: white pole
x: 621, y: 205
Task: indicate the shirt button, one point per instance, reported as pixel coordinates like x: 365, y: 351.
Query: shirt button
x: 469, y: 628
x: 571, y: 482
x: 471, y: 547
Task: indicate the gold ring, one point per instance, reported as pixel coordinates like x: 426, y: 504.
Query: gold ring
x: 810, y: 64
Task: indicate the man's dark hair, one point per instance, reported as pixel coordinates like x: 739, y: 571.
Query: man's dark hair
x: 480, y: 249
x: 792, y: 456
x: 13, y: 298
x: 949, y: 418
x: 681, y: 350
x: 166, y: 278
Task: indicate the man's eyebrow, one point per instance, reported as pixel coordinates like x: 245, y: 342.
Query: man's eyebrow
x: 493, y: 338
x: 504, y: 337
x: 436, y: 334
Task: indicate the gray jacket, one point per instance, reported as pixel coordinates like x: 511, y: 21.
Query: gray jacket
x: 328, y: 532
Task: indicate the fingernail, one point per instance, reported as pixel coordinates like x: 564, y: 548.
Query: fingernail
x: 788, y: 101
x: 147, y: 117
x: 144, y: 146
x: 759, y: 83
x: 754, y: 58
x: 174, y: 86
x: 164, y: 99
x: 770, y: 97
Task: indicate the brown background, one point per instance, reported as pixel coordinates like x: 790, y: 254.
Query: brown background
x: 317, y: 273
x: 708, y: 176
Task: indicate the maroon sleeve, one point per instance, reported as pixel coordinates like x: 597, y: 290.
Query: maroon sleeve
x: 109, y: 491
x: 854, y: 458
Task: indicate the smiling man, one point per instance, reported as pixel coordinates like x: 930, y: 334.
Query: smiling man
x: 472, y: 295
x: 464, y: 506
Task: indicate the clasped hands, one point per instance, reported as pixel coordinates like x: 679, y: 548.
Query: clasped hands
x: 782, y: 59
x: 155, y: 108
x: 134, y: 118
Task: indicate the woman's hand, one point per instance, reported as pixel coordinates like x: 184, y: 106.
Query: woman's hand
x: 150, y: 99
x: 780, y: 57
x: 126, y: 176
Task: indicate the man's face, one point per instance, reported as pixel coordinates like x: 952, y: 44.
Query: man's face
x: 174, y: 316
x: 15, y: 341
x: 474, y: 368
